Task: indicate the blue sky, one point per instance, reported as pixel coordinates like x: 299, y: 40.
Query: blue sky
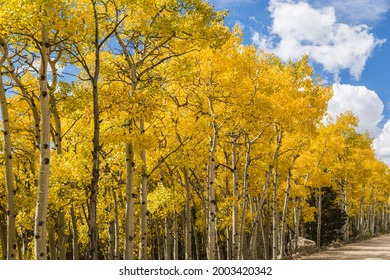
x: 348, y: 42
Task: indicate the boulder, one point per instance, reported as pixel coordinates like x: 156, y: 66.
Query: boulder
x: 305, y: 243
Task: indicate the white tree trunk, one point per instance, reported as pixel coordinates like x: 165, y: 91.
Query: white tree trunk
x: 275, y: 218
x: 11, y: 214
x: 346, y: 209
x: 235, y: 226
x: 116, y: 226
x: 43, y: 181
x: 188, y: 224
x: 212, y: 202
x: 284, y: 215
x: 129, y: 217
x: 319, y: 216
x: 143, y: 200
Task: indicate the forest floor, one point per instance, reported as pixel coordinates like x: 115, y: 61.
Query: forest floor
x: 376, y: 248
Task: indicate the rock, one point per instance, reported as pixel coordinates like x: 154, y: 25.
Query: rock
x: 305, y: 243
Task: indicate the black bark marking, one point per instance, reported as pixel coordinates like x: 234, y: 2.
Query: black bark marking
x: 45, y: 161
x: 41, y: 254
x: 37, y: 236
x: 41, y: 223
x: 45, y: 146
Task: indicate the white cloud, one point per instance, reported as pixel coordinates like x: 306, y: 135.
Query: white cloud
x: 367, y: 106
x: 303, y: 29
x: 358, y: 11
x: 364, y: 103
x: 382, y: 144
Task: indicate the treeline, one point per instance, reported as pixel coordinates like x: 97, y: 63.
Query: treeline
x: 172, y: 139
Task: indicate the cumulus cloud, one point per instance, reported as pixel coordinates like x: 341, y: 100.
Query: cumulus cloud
x: 364, y: 103
x: 358, y: 11
x: 382, y: 144
x: 298, y: 28
x: 368, y: 107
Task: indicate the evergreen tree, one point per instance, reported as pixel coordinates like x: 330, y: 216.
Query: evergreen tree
x: 333, y: 218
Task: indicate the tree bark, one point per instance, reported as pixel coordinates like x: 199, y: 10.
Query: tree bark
x: 9, y: 174
x: 116, y: 225
x: 3, y: 237
x: 52, y: 242
x: 346, y: 209
x: 168, y: 250
x: 143, y: 199
x: 129, y: 216
x: 296, y: 223
x: 75, y: 233
x: 212, y: 234
x: 284, y: 215
x: 235, y: 227
x: 111, y: 241
x: 43, y: 181
x: 175, y: 237
x: 243, y: 253
x: 319, y: 216
x: 61, y: 236
x: 275, y: 218
x: 93, y: 252
x: 188, y: 224
x: 386, y: 216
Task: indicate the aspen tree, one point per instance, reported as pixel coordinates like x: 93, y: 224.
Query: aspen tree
x: 44, y: 170
x: 235, y: 233
x: 129, y: 224
x: 98, y: 37
x: 75, y: 234
x: 212, y: 200
x: 9, y: 174
x: 188, y: 219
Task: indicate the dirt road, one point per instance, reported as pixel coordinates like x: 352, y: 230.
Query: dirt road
x: 377, y: 248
